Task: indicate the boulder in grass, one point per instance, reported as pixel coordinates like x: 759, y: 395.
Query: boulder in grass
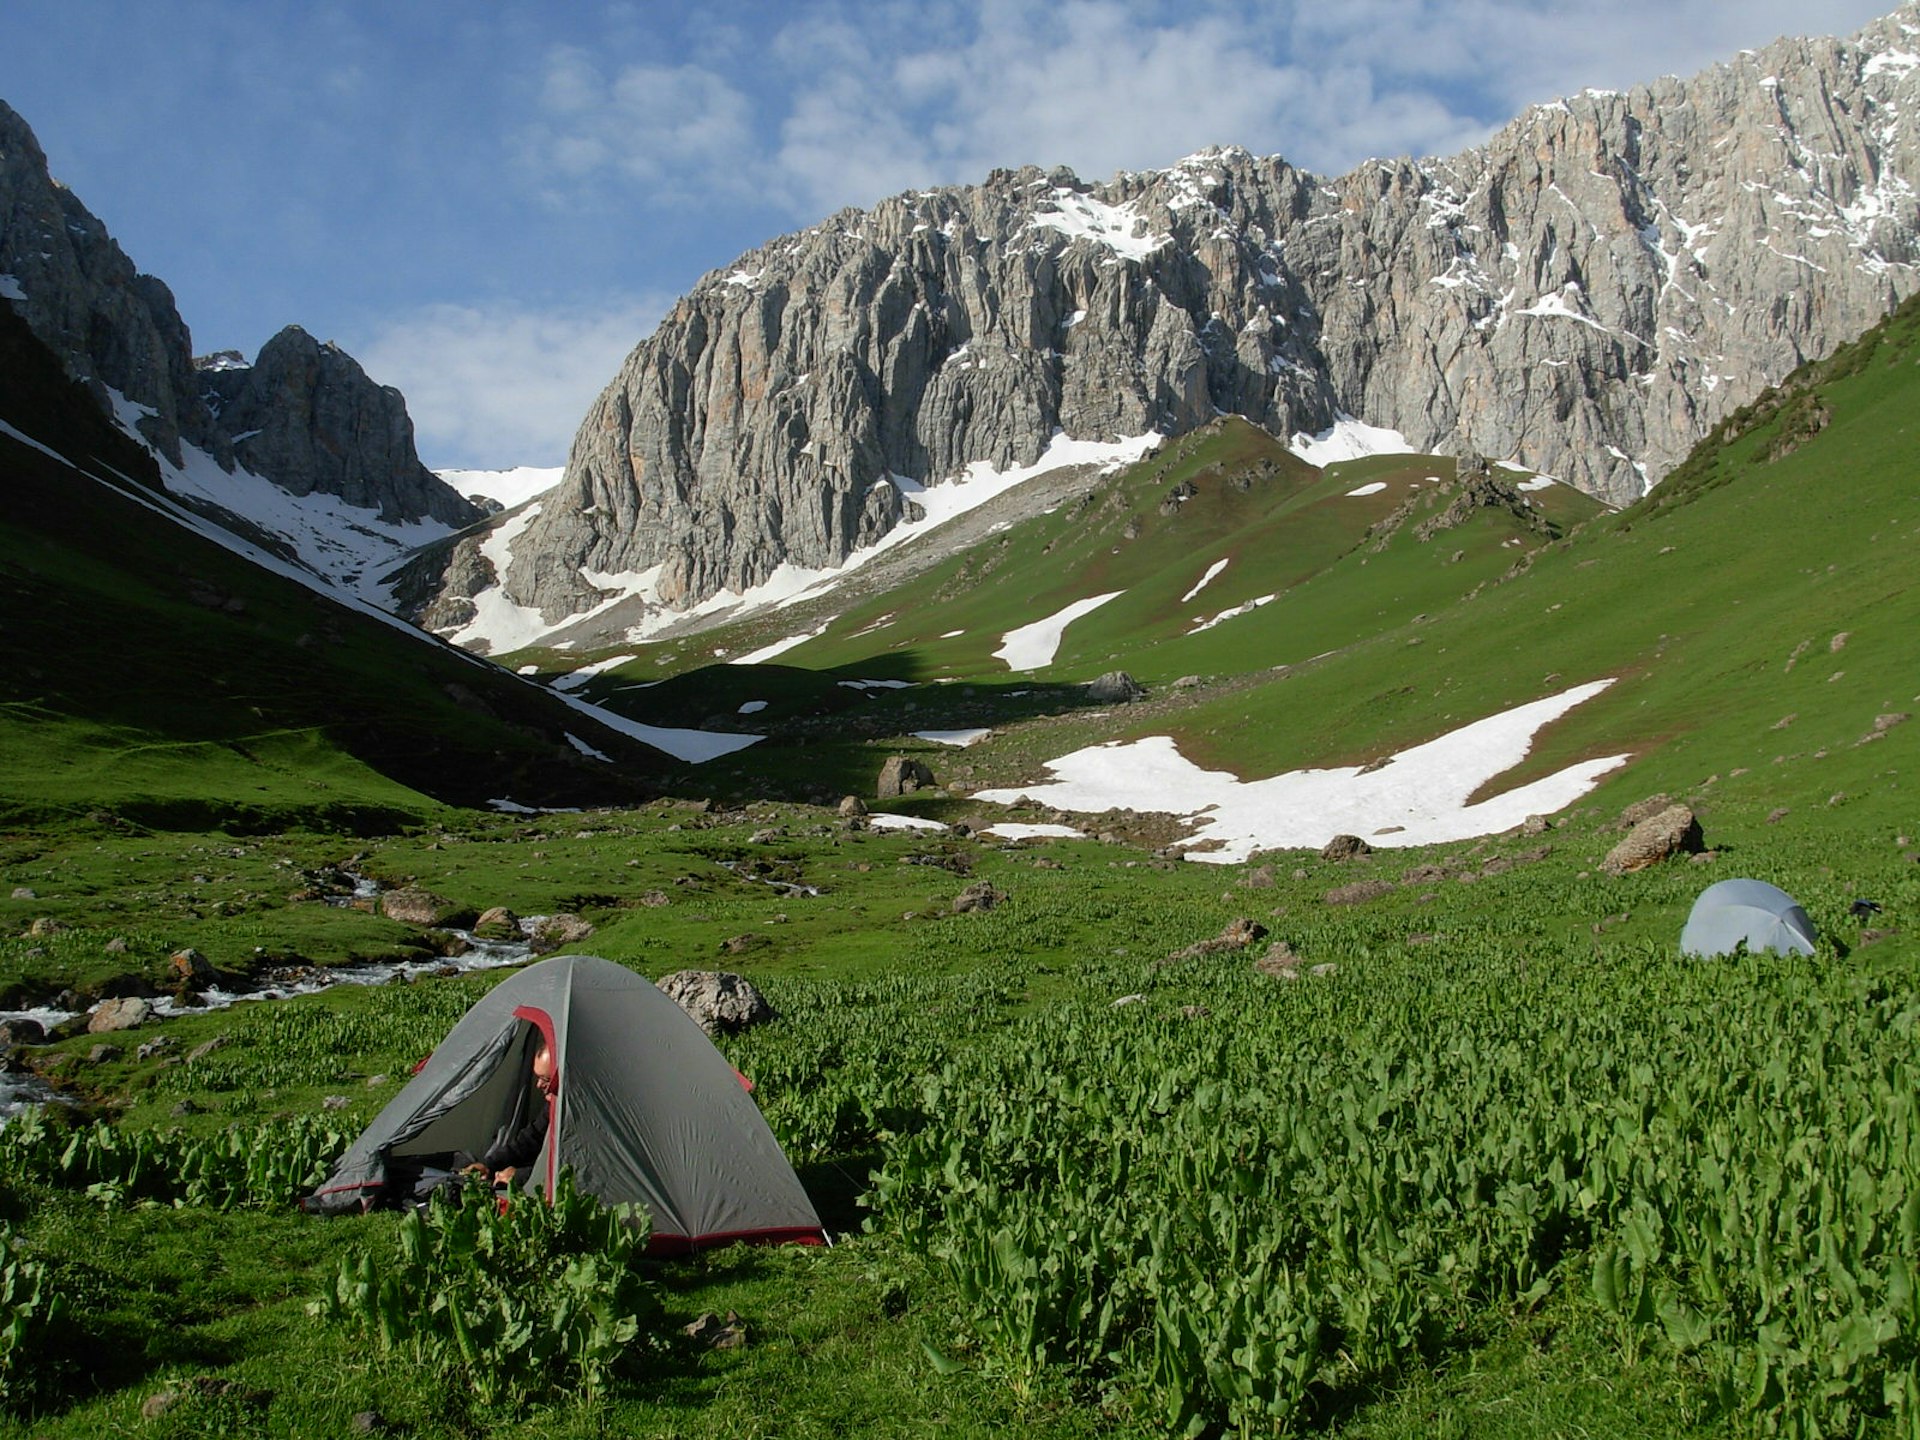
x: 1673, y: 831
x: 128, y: 1013
x: 498, y: 923
x: 720, y: 1002
x: 22, y: 1030
x: 190, y: 968
x: 1359, y: 892
x: 1345, y: 847
x: 1116, y: 687
x: 552, y: 931
x: 1238, y: 935
x: 981, y: 895
x: 411, y: 905
x: 1642, y: 810
x: 902, y: 775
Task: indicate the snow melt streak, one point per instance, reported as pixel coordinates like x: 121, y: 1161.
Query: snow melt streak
x: 1032, y: 646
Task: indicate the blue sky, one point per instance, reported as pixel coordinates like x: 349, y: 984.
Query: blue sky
x: 489, y: 204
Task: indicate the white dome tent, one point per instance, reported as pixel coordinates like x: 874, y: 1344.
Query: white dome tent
x: 1753, y: 913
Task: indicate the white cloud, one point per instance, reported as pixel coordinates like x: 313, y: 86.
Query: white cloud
x: 840, y: 105
x: 660, y: 126
x: 505, y: 384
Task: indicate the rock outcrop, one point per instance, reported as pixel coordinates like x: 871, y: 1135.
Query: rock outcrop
x: 1587, y: 293
x: 304, y: 416
x: 1673, y: 831
x: 720, y: 1002
x: 112, y: 327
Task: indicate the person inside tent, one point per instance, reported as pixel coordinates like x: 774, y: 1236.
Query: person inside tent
x: 520, y: 1146
x: 416, y: 1175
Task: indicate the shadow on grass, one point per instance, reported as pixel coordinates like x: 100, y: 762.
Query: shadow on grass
x: 835, y: 1187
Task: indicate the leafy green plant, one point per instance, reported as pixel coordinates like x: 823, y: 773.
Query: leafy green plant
x: 267, y: 1164
x: 516, y: 1305
x: 31, y: 1311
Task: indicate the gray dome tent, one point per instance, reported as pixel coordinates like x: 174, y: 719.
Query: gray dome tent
x: 646, y: 1109
x: 1762, y: 916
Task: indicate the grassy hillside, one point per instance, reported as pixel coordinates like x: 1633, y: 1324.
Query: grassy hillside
x: 1762, y: 587
x: 147, y: 671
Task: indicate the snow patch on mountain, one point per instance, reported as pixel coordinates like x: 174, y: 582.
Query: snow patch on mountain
x: 504, y: 625
x: 779, y: 647
x: 1247, y: 608
x: 1119, y: 228
x: 960, y: 738
x: 1032, y: 647
x: 1348, y: 439
x: 505, y: 487
x: 345, y: 545
x: 1420, y: 797
x: 1204, y: 581
x: 575, y: 679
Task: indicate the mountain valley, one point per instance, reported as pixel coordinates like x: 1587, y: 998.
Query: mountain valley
x: 1182, y: 828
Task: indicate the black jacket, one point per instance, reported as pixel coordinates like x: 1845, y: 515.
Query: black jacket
x: 521, y: 1145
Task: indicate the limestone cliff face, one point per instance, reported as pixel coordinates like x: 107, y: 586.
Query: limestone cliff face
x: 1586, y: 293
x: 304, y: 416
x: 68, y: 278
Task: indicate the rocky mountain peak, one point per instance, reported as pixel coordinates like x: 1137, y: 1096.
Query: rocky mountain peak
x: 1587, y: 294
x: 304, y: 415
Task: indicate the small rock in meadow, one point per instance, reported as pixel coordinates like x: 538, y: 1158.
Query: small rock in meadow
x: 1774, y: 817
x: 22, y: 1031
x: 412, y: 905
x: 1359, y: 892
x: 981, y: 895
x: 715, y: 1333
x: 719, y: 1001
x: 1281, y: 961
x: 550, y: 932
x: 334, y: 1102
x: 102, y: 1054
x: 189, y: 967
x: 158, y: 1403
x: 1345, y: 847
x: 159, y: 1045
x: 1237, y: 935
x: 24, y: 892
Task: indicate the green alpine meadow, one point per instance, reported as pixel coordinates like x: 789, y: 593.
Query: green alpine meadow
x: 1116, y: 1128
